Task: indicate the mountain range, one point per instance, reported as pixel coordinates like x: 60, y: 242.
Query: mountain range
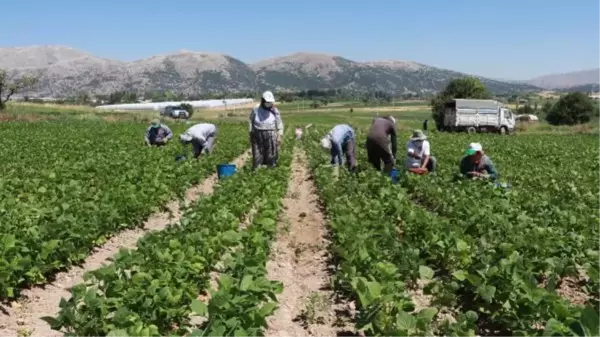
x: 65, y: 71
x: 567, y: 80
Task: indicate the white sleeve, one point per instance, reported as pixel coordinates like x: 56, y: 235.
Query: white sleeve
x: 426, y: 149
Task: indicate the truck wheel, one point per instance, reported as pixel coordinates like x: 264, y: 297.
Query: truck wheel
x: 471, y: 129
x: 503, y: 130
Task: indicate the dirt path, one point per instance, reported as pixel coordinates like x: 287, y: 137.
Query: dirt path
x: 300, y: 260
x: 23, y: 317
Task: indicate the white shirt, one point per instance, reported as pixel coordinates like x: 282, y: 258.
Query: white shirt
x: 422, y: 149
x: 262, y: 119
x: 202, y: 131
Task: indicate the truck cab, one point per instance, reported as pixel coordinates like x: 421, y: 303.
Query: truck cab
x: 507, y: 121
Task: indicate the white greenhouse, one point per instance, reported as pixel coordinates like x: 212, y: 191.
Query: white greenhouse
x: 206, y: 104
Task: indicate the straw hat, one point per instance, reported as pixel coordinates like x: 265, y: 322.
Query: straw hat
x: 418, y: 135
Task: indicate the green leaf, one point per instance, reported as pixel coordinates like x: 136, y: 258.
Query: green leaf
x: 240, y: 332
x: 53, y: 322
x: 406, y: 321
x: 486, y: 292
x: 267, y: 309
x: 471, y: 316
x: 460, y: 275
x: 427, y: 314
x: 199, y: 307
x: 218, y: 330
x: 246, y: 282
x: 589, y: 321
x: 462, y: 246
x: 117, y: 333
x: 426, y: 272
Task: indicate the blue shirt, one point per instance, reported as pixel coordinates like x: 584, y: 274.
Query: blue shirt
x: 156, y: 134
x: 340, y: 134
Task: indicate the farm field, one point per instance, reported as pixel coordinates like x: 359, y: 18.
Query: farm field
x: 302, y: 249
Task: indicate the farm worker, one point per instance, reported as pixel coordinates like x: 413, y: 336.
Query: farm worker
x: 475, y: 164
x: 266, y: 132
x: 157, y: 133
x: 381, y: 143
x: 340, y: 140
x: 418, y: 152
x: 425, y: 125
x: 201, y: 136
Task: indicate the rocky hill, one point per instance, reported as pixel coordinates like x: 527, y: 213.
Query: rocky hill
x: 65, y: 71
x: 567, y: 80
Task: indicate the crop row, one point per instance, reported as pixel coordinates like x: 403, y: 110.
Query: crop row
x: 376, y: 233
x: 246, y: 297
x: 150, y: 290
x: 470, y: 267
x: 79, y: 182
x: 555, y: 239
x: 519, y: 246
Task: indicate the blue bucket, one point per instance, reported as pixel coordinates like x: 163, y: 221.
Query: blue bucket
x: 395, y: 175
x: 225, y: 170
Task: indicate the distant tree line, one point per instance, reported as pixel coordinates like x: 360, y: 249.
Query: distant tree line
x: 318, y: 97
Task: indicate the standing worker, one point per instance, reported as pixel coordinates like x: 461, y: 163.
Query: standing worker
x: 266, y: 132
x: 340, y: 140
x: 381, y: 143
x: 475, y: 164
x: 157, y: 133
x: 418, y: 153
x: 201, y: 136
x: 425, y: 125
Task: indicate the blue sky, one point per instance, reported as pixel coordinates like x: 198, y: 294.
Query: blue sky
x: 500, y: 39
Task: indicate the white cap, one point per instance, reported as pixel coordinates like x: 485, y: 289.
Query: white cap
x: 393, y: 119
x: 268, y: 97
x: 476, y: 146
x: 326, y: 142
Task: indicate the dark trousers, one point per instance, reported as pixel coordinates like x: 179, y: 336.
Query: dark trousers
x: 377, y: 153
x: 349, y: 150
x: 265, y: 150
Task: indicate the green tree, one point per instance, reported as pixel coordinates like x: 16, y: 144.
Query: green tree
x: 10, y: 85
x: 546, y: 107
x: 573, y: 108
x: 466, y: 87
x: 525, y: 110
x: 189, y: 108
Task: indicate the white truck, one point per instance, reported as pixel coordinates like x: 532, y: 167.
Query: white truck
x: 478, y: 115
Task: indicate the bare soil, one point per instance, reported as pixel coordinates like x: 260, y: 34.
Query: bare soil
x: 23, y: 317
x: 571, y: 289
x: 299, y: 259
